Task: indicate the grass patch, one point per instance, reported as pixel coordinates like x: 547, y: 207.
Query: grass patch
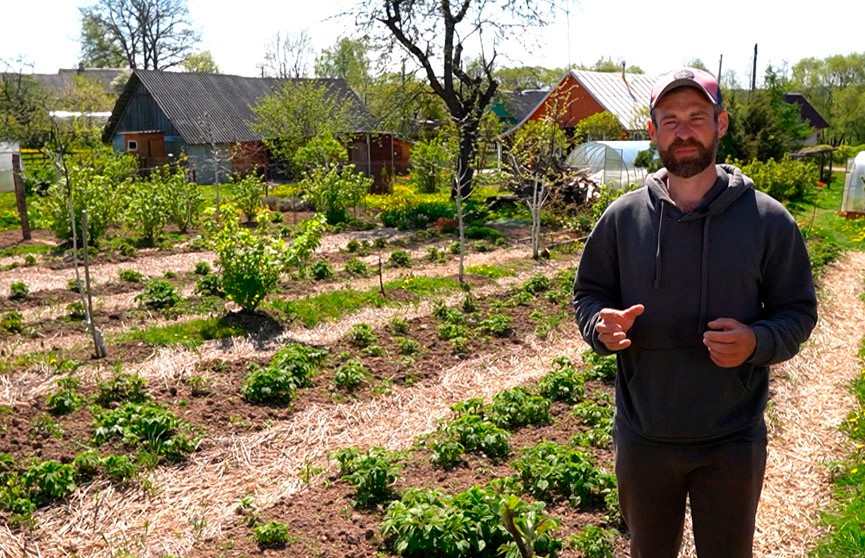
x: 821, y: 219
x: 187, y: 334
x: 333, y: 305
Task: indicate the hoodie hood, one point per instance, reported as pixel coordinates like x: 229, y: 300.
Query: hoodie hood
x: 730, y: 184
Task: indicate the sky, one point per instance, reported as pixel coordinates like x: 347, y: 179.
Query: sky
x: 656, y: 36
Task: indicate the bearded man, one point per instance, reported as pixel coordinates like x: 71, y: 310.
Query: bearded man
x: 697, y: 283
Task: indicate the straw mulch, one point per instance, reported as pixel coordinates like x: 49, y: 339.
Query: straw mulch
x: 810, y: 399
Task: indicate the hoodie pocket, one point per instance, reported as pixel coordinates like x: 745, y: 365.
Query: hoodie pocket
x: 680, y: 394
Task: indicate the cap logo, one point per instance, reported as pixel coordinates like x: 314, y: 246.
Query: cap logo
x: 684, y: 74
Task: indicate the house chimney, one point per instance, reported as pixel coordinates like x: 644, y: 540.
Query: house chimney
x: 623, y: 69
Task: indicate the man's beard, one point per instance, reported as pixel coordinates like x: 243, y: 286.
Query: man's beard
x: 687, y: 167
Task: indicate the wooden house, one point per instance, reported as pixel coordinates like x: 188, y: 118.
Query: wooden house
x: 209, y: 117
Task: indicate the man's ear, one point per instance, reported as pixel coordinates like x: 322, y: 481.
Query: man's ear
x: 723, y: 123
x: 652, y: 131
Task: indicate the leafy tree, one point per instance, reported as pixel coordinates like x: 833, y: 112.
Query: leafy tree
x: 764, y: 125
x: 435, y: 34
x: 333, y: 190
x: 432, y: 160
x: 529, y: 77
x: 537, y: 149
x: 200, y: 62
x: 600, y: 126
x: 299, y: 111
x: 836, y: 87
x: 24, y: 105
x: 403, y: 104
x: 607, y: 65
x: 347, y: 59
x: 149, y: 34
x: 287, y: 56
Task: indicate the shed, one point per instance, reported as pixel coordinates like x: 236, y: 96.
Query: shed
x: 610, y: 162
x: 853, y: 200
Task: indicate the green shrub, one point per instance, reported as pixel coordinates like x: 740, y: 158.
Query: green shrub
x: 18, y: 290
x: 48, y: 481
x: 272, y: 534
x: 356, y: 267
x: 333, y: 190
x: 517, y: 407
x: 251, y: 261
x: 601, y: 367
x: 549, y: 471
x: 454, y: 247
x: 209, y: 285
x: 410, y: 214
x: 432, y: 162
x: 362, y: 335
x: 29, y: 260
x: 159, y: 294
x: 12, y: 321
x: 75, y: 285
x: 202, y: 268
x: 131, y: 276
x: 147, y: 427
x: 66, y: 399
x: 477, y: 434
x: 398, y: 325
x: 372, y: 474
x: 497, y: 325
x: 122, y: 387
x: 147, y: 206
x: 350, y: 375
x: 483, y: 233
x: 184, y: 197
x: 98, y: 181
x: 248, y: 195
x: 321, y: 270
x: 788, y: 180
x: 291, y: 368
x: 563, y: 382
x: 407, y: 346
x: 594, y: 542
x: 400, y: 258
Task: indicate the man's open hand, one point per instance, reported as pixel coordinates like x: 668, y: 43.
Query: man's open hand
x: 613, y: 326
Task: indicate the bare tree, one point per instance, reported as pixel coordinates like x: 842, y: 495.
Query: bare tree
x: 148, y: 34
x: 437, y: 33
x: 287, y: 56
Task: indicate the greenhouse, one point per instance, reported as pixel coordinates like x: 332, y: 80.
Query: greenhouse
x: 853, y: 202
x: 610, y: 162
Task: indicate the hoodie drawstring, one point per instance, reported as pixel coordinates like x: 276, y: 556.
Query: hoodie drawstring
x: 657, y: 282
x: 704, y: 275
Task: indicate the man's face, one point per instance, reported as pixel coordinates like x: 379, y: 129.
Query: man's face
x: 687, y: 132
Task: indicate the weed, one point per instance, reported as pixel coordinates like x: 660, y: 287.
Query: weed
x: 66, y: 400
x: 130, y: 276
x: 356, y: 267
x: 398, y: 325
x: 75, y: 285
x: 362, y: 335
x: 399, y: 258
x: 159, y: 294
x: 372, y: 473
x: 272, y: 534
x: 202, y: 268
x: 18, y: 290
x: 12, y: 321
x: 321, y: 270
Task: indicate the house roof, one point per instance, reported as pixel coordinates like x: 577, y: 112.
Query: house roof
x: 64, y: 78
x: 624, y: 95
x: 190, y: 100
x: 515, y: 106
x: 806, y: 110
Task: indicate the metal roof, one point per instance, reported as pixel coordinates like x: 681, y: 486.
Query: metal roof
x: 192, y: 100
x: 625, y: 96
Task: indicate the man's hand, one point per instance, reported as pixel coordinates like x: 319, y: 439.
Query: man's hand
x: 730, y: 343
x: 613, y: 326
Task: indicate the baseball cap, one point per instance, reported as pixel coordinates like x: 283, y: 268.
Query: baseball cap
x: 686, y: 77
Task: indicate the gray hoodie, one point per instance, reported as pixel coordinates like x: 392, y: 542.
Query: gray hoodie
x: 738, y: 255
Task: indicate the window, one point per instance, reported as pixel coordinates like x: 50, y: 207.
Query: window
x: 132, y: 145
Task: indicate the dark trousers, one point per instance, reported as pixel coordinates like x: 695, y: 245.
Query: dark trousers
x: 723, y: 483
